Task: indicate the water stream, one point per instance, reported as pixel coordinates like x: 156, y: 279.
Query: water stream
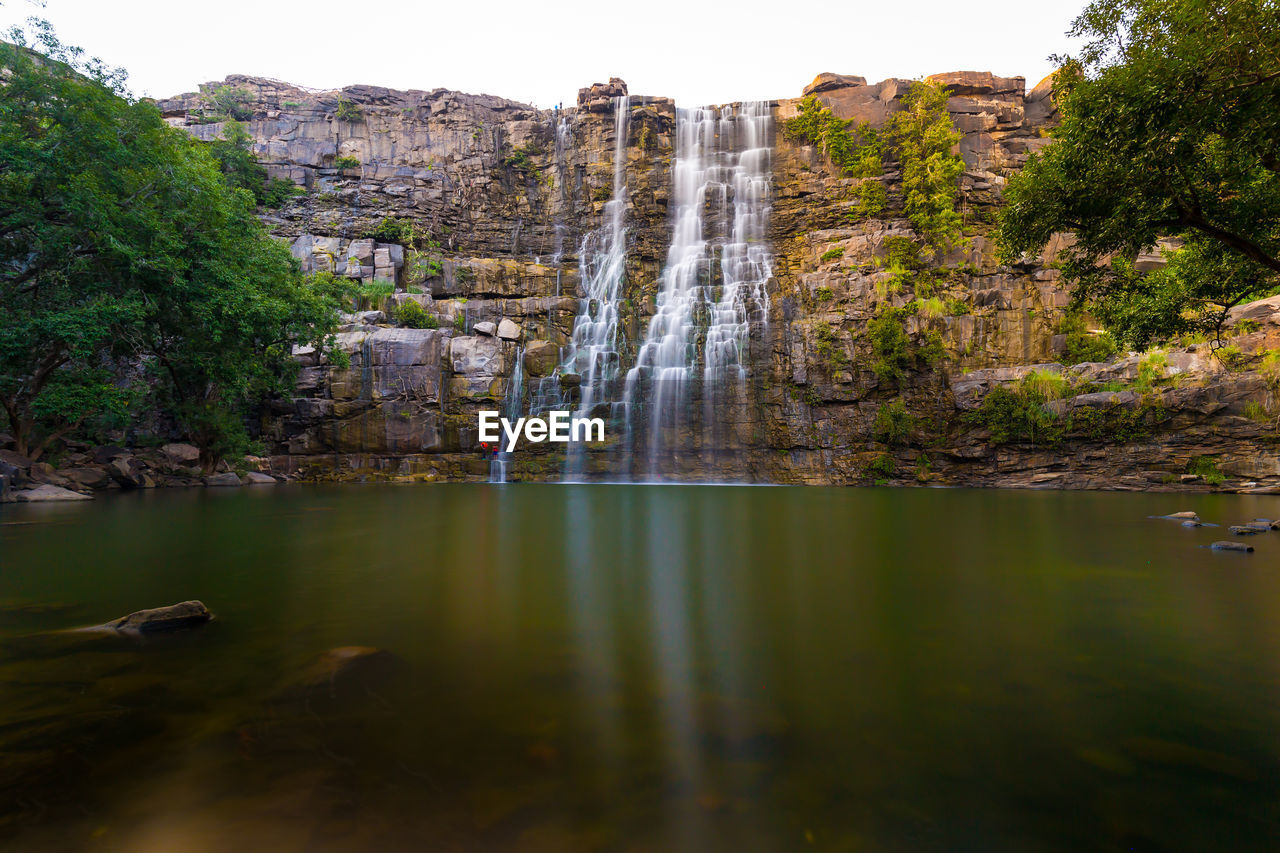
x: 713, y: 286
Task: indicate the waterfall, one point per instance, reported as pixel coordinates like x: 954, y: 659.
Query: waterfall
x: 713, y: 285
x: 591, y: 362
x: 512, y: 404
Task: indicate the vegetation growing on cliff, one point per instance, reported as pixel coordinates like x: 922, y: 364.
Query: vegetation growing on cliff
x: 1168, y: 128
x: 919, y: 138
x: 854, y: 147
x: 135, y: 279
x: 243, y: 171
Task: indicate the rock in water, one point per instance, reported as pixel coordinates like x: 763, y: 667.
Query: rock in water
x: 341, y: 678
x: 1232, y: 546
x: 1245, y: 530
x: 227, y: 478
x: 188, y: 614
x: 1187, y: 514
x: 42, y: 494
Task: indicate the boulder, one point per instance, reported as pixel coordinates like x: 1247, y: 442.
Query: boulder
x: 46, y: 494
x: 126, y: 471
x: 90, y: 478
x: 486, y: 328
x: 1245, y: 530
x: 570, y: 380
x: 541, y: 358
x: 257, y: 478
x: 827, y: 81
x: 371, y: 318
x: 1190, y: 522
x: 17, y: 460
x: 42, y: 473
x: 103, y: 455
x: 476, y: 356
x: 229, y: 478
x: 15, y: 476
x: 1184, y: 514
x: 181, y: 454
x: 188, y: 614
x: 1232, y: 546
x: 509, y: 331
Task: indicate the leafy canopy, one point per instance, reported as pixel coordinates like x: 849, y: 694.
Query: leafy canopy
x: 1169, y: 128
x: 125, y: 255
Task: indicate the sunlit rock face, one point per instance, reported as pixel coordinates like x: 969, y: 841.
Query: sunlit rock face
x: 504, y: 199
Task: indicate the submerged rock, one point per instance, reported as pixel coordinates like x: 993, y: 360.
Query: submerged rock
x: 1246, y: 530
x: 187, y: 614
x: 1232, y: 546
x: 1191, y: 522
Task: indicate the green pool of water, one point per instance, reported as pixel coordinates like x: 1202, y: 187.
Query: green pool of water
x: 643, y: 668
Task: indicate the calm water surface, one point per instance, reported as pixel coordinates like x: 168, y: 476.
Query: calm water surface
x: 642, y: 668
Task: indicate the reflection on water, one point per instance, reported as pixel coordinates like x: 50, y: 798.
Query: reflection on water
x: 641, y: 668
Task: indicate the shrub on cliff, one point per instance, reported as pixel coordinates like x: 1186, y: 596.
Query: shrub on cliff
x: 1169, y: 128
x: 412, y: 315
x: 124, y: 250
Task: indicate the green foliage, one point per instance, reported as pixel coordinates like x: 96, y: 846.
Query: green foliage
x: 1017, y: 415
x: 414, y: 316
x: 1151, y: 370
x: 854, y: 148
x: 832, y: 254
x: 345, y: 163
x: 893, y: 424
x: 957, y: 307
x: 1169, y: 128
x: 882, y: 468
x: 1081, y: 345
x: 241, y: 169
x: 122, y: 244
x: 348, y: 111
x: 520, y: 159
x: 825, y: 294
x: 225, y: 103
x: 870, y: 199
x: 827, y: 345
x: 921, y: 137
x: 1206, y: 467
x: 931, y: 308
x: 394, y: 229
x: 890, y: 346
x: 372, y: 295
x: 1046, y: 385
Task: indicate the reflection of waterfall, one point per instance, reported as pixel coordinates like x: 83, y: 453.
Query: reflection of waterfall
x: 512, y: 405
x: 713, y: 286
x: 591, y: 361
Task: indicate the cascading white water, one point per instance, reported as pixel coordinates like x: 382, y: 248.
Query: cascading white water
x: 721, y: 193
x: 592, y: 357
x: 512, y: 403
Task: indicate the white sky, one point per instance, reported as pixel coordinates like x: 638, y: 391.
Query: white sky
x: 695, y: 51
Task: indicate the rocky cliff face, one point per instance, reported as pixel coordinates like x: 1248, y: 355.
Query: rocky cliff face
x: 501, y: 197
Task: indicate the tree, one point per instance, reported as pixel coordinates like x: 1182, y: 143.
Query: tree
x: 922, y: 138
x: 243, y: 171
x: 121, y: 246
x: 1168, y: 129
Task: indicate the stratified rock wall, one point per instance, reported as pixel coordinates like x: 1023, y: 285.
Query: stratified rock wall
x: 507, y: 193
